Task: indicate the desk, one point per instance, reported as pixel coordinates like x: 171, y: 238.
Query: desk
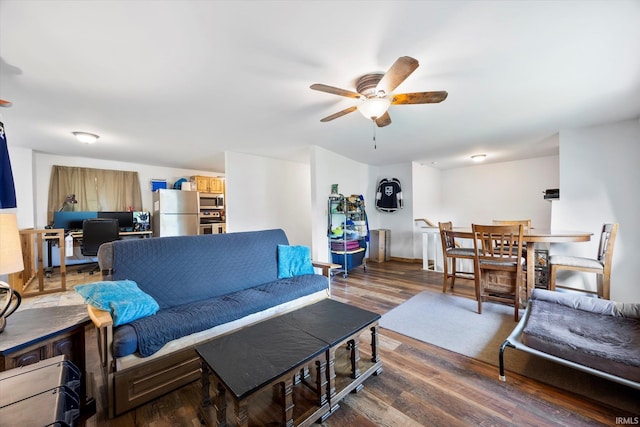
x: 32, y: 247
x: 77, y: 237
x: 539, y: 235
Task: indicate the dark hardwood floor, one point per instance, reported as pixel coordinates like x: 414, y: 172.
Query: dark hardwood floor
x: 422, y: 385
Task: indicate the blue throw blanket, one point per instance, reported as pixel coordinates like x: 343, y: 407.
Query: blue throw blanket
x: 154, y: 332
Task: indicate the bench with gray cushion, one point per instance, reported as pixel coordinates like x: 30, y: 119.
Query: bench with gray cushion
x: 205, y: 286
x: 597, y: 336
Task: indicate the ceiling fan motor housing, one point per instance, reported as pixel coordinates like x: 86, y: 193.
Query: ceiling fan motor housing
x: 366, y: 85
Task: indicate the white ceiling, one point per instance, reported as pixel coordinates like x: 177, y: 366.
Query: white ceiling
x: 176, y: 83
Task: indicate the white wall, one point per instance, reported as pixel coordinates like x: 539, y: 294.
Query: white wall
x: 427, y: 201
x: 352, y: 177
x: 265, y: 193
x: 42, y: 175
x: 399, y: 222
x: 510, y: 190
x: 598, y: 177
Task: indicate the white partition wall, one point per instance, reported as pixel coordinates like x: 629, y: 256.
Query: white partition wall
x: 352, y: 177
x: 598, y: 183
x: 265, y: 193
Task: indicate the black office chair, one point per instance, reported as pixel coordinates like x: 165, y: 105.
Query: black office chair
x: 95, y: 232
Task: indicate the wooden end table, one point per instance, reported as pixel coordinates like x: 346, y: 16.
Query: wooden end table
x: 32, y: 335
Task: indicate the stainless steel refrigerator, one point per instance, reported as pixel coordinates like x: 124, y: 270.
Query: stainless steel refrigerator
x: 175, y: 213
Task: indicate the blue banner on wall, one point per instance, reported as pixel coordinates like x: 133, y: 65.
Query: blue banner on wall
x: 7, y: 187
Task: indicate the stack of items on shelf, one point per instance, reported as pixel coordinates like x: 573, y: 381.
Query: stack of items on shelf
x: 348, y: 245
x: 348, y: 231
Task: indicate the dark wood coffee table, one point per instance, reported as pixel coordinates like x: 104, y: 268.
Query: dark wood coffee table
x: 277, y: 357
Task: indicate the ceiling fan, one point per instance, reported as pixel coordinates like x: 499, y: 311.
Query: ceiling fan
x: 375, y: 93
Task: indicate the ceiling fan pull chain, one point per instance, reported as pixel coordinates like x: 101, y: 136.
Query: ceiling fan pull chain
x: 375, y: 145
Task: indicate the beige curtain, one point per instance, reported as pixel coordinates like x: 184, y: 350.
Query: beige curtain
x: 95, y: 190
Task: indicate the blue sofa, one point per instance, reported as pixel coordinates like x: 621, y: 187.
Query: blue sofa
x: 205, y: 286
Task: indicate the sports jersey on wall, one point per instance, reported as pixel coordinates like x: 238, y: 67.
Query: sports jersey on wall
x: 389, y: 195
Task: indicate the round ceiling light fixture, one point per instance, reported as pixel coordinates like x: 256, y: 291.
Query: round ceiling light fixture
x: 86, y: 137
x: 478, y: 157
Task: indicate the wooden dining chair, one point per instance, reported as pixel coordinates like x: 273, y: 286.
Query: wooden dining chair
x: 499, y: 264
x: 526, y: 223
x: 453, y: 250
x: 601, y: 265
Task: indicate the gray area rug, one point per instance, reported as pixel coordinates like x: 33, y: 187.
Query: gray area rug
x: 453, y: 323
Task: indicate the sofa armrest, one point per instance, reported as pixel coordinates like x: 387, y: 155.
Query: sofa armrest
x: 326, y: 267
x: 105, y: 260
x: 100, y: 318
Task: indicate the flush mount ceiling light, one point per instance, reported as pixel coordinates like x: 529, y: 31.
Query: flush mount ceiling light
x: 86, y: 137
x: 478, y: 157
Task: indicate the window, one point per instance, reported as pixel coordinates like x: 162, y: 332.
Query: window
x: 95, y: 189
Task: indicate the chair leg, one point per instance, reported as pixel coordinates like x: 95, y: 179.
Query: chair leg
x: 478, y: 292
x: 603, y: 286
x: 454, y: 272
x: 552, y: 278
x: 445, y: 279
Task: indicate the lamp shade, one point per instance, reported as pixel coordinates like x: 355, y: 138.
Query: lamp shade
x: 374, y: 108
x: 10, y: 248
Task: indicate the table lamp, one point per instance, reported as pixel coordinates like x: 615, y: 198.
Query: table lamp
x: 10, y: 262
x: 69, y: 200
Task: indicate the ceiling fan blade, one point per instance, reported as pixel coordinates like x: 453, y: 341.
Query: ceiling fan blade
x: 339, y: 114
x: 384, y: 120
x: 419, y: 97
x: 399, y: 71
x: 335, y: 90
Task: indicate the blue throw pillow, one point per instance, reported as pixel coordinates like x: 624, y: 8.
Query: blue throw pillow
x: 122, y: 298
x: 294, y: 261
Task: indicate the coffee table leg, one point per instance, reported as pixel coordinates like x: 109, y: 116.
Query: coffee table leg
x: 242, y: 414
x: 331, y: 378
x: 355, y: 358
x: 374, y: 344
x: 375, y: 358
x: 206, y: 412
x: 286, y: 388
x: 321, y: 381
x: 206, y: 397
x: 221, y: 406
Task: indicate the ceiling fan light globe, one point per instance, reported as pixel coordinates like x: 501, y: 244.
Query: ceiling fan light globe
x: 373, y: 108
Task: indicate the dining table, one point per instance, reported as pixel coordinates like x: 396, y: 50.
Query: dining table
x: 530, y: 237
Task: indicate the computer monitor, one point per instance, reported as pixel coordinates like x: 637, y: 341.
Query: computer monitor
x: 70, y: 220
x: 141, y: 221
x: 125, y: 219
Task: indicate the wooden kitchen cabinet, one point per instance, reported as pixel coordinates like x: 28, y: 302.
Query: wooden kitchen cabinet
x: 216, y: 185
x: 202, y: 183
x: 208, y: 184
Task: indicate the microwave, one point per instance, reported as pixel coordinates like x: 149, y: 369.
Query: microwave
x: 211, y: 201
